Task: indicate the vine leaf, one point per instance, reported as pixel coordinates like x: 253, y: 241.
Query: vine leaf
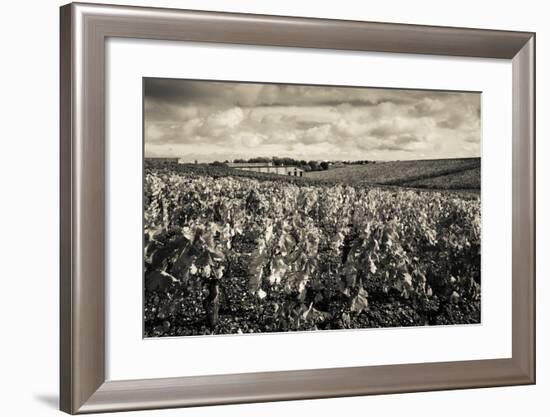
x: 360, y: 302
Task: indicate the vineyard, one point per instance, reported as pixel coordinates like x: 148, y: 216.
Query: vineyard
x: 442, y: 174
x: 235, y: 254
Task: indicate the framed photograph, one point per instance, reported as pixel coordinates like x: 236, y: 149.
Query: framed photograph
x: 263, y: 208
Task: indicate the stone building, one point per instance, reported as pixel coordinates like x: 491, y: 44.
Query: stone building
x: 267, y: 167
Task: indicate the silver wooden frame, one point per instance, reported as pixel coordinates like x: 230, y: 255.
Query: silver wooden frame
x: 84, y: 30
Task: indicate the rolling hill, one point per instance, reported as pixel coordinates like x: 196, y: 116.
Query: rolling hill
x: 452, y: 174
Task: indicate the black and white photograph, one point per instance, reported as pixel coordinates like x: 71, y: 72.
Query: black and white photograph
x: 283, y: 207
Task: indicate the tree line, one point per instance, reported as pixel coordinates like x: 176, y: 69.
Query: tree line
x: 276, y: 161
x: 286, y: 161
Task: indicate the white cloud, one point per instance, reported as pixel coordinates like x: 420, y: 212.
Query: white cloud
x: 246, y: 119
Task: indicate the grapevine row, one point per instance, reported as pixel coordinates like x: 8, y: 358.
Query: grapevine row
x: 313, y: 252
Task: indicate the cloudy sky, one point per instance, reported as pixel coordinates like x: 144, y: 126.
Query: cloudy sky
x: 209, y: 121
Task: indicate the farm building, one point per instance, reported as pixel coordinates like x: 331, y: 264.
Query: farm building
x: 267, y: 167
x: 186, y: 161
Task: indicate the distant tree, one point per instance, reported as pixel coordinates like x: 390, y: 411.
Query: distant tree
x: 303, y: 162
x: 306, y: 168
x: 324, y: 165
x: 259, y: 160
x: 218, y: 163
x: 314, y: 165
x: 239, y: 160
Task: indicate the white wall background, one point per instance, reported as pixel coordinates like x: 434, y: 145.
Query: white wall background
x: 29, y: 208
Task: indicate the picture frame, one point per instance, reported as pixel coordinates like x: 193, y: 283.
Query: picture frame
x: 84, y: 29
